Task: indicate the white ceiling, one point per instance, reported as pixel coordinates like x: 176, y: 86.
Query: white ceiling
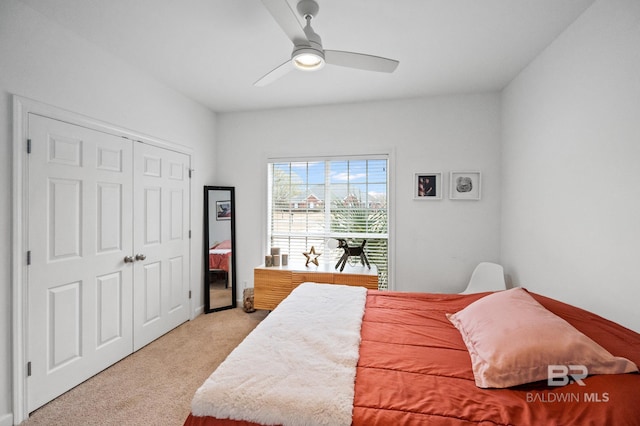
x: 214, y: 50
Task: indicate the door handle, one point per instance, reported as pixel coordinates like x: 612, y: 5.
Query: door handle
x: 129, y: 259
x: 140, y: 256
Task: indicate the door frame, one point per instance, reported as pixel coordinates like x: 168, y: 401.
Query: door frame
x: 22, y: 107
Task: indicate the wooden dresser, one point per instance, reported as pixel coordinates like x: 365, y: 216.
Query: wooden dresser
x: 274, y: 283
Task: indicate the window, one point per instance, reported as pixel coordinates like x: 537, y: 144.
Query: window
x: 312, y: 201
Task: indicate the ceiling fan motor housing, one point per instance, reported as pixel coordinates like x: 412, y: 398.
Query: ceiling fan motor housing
x: 308, y: 8
x: 308, y: 57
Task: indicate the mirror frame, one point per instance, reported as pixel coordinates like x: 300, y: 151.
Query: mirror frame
x: 206, y: 244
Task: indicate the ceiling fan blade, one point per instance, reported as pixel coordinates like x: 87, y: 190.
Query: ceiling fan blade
x: 274, y: 74
x: 360, y: 61
x: 287, y: 20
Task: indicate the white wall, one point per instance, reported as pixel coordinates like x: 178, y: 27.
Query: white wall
x: 42, y: 61
x: 438, y: 242
x: 571, y: 166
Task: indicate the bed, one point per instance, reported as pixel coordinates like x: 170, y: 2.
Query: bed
x: 219, y: 256
x: 415, y: 364
x: 220, y: 259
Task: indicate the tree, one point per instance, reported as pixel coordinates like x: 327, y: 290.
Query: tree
x: 353, y: 218
x: 286, y: 187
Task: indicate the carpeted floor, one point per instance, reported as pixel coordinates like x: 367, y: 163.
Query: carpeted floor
x: 153, y: 386
x: 219, y: 294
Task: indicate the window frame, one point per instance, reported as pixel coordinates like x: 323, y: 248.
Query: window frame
x: 387, y: 155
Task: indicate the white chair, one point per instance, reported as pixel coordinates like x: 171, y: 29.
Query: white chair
x: 486, y: 277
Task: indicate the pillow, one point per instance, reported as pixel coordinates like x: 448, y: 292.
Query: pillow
x: 226, y: 244
x: 512, y: 339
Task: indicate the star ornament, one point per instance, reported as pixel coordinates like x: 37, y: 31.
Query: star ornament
x: 312, y: 256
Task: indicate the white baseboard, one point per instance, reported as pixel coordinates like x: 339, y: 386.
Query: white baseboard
x: 198, y: 311
x: 6, y: 420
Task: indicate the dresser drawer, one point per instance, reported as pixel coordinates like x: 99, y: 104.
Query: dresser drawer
x: 298, y: 278
x: 368, y: 281
x: 270, y: 288
x: 273, y: 284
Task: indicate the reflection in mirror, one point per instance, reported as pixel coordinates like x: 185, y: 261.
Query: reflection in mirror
x: 219, y: 248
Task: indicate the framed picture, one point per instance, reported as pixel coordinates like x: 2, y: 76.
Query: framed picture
x: 427, y: 186
x: 223, y: 210
x: 464, y: 186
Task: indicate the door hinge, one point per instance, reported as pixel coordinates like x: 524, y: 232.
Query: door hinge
x: 189, y: 233
x: 28, y: 146
x: 29, y: 369
x: 189, y: 294
x: 29, y: 257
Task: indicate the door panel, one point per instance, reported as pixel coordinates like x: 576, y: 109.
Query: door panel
x: 80, y: 226
x: 151, y: 215
x: 176, y: 273
x: 64, y: 325
x: 109, y: 301
x: 176, y: 211
x: 161, y: 186
x: 64, y: 210
x: 109, y: 229
x: 152, y: 293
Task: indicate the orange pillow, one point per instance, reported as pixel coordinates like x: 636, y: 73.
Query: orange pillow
x: 512, y: 339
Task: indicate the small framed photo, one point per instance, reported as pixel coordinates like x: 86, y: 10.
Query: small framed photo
x: 223, y: 210
x: 464, y: 186
x: 427, y: 186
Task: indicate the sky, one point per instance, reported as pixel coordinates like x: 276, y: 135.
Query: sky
x: 345, y: 177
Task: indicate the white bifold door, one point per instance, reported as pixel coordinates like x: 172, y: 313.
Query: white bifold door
x: 108, y: 224
x: 160, y: 241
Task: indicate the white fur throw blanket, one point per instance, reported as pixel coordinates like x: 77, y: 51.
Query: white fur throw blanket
x: 297, y: 367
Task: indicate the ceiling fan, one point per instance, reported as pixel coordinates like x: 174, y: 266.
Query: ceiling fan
x: 308, y: 53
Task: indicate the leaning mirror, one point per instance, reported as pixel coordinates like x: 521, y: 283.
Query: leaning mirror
x: 219, y: 248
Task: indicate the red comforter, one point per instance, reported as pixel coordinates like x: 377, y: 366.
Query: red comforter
x: 414, y: 369
x: 219, y: 259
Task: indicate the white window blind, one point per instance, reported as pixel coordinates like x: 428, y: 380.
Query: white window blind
x: 312, y: 201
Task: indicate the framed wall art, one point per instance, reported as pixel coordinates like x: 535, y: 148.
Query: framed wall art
x: 464, y: 185
x: 427, y: 186
x: 223, y: 210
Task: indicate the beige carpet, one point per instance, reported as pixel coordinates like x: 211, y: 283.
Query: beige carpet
x: 153, y: 386
x: 219, y: 295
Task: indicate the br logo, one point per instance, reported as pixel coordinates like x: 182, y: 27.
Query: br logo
x: 560, y: 375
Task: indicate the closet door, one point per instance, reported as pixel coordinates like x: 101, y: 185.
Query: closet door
x: 161, y: 241
x: 80, y: 226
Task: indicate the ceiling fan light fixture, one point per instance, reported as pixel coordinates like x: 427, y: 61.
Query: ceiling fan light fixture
x: 308, y: 53
x: 307, y: 59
